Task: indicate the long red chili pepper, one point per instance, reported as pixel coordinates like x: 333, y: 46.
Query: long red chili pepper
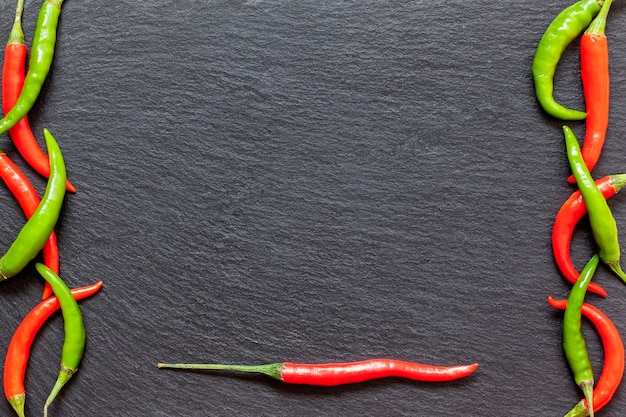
x: 27, y: 197
x: 331, y: 374
x: 570, y: 213
x: 613, y: 368
x: 594, y: 72
x: 13, y: 75
x: 19, y: 347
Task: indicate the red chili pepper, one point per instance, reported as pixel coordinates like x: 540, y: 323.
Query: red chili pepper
x: 19, y: 347
x: 331, y: 374
x: 594, y: 72
x: 13, y: 75
x: 570, y: 213
x: 347, y: 373
x: 613, y: 368
x: 27, y: 197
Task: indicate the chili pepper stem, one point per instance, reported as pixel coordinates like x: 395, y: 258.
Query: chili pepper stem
x: 57, y: 3
x: 598, y: 25
x: 64, y: 375
x: 578, y: 410
x: 618, y: 181
x: 617, y: 269
x: 587, y: 387
x: 273, y: 370
x: 17, y: 34
x: 17, y: 402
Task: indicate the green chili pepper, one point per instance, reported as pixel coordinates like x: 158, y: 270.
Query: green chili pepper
x: 74, y: 329
x: 36, y: 231
x: 565, y: 27
x: 42, y: 52
x: 603, y: 225
x: 574, y: 343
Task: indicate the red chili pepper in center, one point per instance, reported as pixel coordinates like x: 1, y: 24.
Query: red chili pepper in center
x: 330, y: 374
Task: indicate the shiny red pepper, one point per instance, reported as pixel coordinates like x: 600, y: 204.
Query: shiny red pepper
x: 330, y: 374
x: 594, y: 73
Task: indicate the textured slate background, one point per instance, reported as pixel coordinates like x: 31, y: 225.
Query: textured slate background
x: 310, y: 181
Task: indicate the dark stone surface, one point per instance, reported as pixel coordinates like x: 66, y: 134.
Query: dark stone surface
x: 309, y: 181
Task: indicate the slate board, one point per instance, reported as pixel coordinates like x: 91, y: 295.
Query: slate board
x: 310, y: 181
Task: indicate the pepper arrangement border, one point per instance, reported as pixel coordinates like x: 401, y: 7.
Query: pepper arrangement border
x: 586, y: 19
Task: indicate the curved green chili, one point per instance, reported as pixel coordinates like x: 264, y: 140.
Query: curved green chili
x: 74, y: 329
x: 565, y: 27
x: 36, y: 231
x: 603, y: 225
x: 42, y: 52
x: 574, y: 343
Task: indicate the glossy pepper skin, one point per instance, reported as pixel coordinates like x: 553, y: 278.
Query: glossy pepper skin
x: 73, y: 327
x: 574, y: 344
x: 603, y: 225
x: 613, y: 368
x: 568, y: 216
x: 594, y: 73
x: 347, y: 373
x: 42, y: 53
x: 38, y: 228
x: 18, y: 352
x: 27, y: 197
x: 12, y: 83
x: 562, y: 31
x: 331, y: 374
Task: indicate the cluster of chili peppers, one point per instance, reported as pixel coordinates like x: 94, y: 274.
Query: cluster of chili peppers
x: 585, y: 19
x: 20, y: 89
